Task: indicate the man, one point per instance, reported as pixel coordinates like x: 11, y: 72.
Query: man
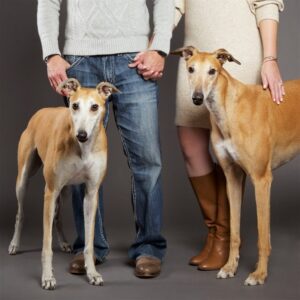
x: 108, y: 41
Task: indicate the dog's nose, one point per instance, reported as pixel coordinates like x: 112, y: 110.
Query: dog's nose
x: 82, y: 136
x: 198, y: 98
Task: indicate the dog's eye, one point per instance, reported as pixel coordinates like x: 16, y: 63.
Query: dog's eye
x: 94, y: 107
x: 212, y: 71
x: 75, y: 106
x: 191, y: 70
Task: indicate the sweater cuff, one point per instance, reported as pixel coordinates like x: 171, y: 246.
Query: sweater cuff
x: 267, y: 12
x: 50, y: 47
x: 161, y: 43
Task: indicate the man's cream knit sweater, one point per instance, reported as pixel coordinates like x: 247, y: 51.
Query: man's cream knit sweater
x: 103, y: 27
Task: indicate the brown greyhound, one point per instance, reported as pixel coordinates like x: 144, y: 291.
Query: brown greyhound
x: 250, y: 135
x: 71, y: 143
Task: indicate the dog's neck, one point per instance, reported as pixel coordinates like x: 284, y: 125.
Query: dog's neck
x: 221, y: 101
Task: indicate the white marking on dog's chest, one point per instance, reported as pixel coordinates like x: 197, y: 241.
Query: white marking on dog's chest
x: 76, y: 170
x: 225, y: 148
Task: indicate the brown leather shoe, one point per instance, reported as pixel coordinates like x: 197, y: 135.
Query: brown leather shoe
x: 147, y: 267
x: 77, y: 264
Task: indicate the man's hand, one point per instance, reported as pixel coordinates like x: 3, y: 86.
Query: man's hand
x: 56, y: 70
x: 149, y: 64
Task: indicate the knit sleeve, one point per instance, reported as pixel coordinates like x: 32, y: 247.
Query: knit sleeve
x: 266, y: 9
x: 163, y: 25
x: 179, y: 11
x: 48, y: 25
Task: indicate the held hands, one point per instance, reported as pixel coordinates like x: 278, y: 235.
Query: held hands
x: 149, y: 64
x: 56, y: 70
x: 271, y: 79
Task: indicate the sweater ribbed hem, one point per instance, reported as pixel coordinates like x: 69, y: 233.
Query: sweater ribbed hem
x: 105, y: 47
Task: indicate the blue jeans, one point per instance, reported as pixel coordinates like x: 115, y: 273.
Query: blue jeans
x: 136, y: 116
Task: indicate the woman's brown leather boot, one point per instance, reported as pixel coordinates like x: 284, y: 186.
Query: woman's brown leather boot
x: 218, y: 255
x: 205, y: 188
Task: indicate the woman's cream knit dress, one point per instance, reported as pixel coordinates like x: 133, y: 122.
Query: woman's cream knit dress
x: 214, y: 24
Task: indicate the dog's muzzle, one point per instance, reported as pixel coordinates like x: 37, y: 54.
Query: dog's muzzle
x: 82, y: 136
x: 198, y: 98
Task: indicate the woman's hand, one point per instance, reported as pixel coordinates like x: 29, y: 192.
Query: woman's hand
x: 271, y: 79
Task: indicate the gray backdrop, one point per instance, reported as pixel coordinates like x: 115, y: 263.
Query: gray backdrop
x: 24, y: 88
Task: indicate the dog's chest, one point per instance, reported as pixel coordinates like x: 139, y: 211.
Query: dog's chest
x: 225, y: 148
x: 76, y: 170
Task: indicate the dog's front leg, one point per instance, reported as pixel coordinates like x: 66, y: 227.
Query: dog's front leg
x: 48, y: 280
x: 235, y: 177
x: 90, y: 207
x: 262, y: 186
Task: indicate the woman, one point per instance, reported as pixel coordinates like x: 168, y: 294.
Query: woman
x: 248, y: 30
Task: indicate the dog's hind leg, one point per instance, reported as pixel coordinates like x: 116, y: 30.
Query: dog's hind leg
x: 63, y: 244
x: 262, y: 186
x: 235, y: 177
x: 28, y: 163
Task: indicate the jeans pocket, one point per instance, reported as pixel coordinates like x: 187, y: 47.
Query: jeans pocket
x: 130, y: 56
x: 73, y: 60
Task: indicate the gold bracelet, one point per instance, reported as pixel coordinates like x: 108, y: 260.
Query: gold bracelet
x: 270, y: 58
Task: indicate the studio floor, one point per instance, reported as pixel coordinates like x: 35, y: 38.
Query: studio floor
x: 20, y: 274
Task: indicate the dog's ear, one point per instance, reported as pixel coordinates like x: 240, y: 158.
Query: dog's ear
x: 185, y: 52
x: 106, y: 89
x: 223, y: 56
x: 69, y: 86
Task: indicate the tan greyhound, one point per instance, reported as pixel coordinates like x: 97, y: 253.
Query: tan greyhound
x: 250, y: 135
x: 71, y: 144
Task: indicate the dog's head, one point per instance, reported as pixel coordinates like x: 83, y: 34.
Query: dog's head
x: 87, y: 105
x: 203, y: 69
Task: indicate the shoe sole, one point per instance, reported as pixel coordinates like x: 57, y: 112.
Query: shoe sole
x: 145, y: 275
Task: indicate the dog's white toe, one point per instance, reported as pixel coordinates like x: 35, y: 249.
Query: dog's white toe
x: 95, y: 279
x: 49, y: 283
x: 254, y: 280
x: 65, y: 247
x: 223, y: 274
x: 13, y: 249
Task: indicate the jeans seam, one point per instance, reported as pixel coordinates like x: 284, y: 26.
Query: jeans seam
x: 101, y: 226
x: 133, y: 179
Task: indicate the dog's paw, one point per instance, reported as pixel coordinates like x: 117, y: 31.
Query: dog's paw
x: 222, y: 274
x: 13, y: 249
x: 65, y: 247
x: 48, y: 283
x: 228, y: 271
x: 95, y: 278
x: 256, y: 278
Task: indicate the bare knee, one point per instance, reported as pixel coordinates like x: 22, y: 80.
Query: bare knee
x: 194, y: 144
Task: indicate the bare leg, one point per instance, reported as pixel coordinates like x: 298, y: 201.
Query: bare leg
x: 194, y: 144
